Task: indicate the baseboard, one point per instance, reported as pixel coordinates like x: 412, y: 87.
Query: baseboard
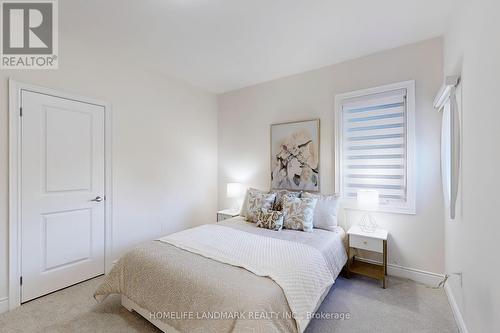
x: 417, y: 275
x: 4, y: 305
x: 459, y: 319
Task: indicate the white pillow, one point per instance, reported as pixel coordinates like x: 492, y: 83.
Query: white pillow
x: 325, y: 213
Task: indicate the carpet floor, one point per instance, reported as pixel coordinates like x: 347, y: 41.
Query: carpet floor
x: 405, y: 306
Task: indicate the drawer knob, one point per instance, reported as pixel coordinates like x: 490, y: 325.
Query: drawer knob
x: 365, y: 242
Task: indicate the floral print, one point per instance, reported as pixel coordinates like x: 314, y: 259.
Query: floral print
x: 295, y: 156
x: 278, y: 203
x: 257, y: 202
x: 271, y: 219
x: 298, y: 213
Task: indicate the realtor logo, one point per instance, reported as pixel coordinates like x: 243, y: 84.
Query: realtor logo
x: 29, y: 34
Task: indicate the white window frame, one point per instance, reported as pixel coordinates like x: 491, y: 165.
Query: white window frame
x: 409, y: 207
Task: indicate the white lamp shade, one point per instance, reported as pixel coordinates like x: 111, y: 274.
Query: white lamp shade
x: 368, y: 199
x: 234, y: 190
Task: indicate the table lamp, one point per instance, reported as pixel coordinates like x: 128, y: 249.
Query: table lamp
x: 236, y: 192
x: 368, y: 201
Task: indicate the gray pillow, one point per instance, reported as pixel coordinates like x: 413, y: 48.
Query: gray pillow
x: 325, y: 213
x: 298, y: 213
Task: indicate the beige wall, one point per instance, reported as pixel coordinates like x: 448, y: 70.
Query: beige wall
x: 164, y: 144
x: 245, y: 115
x: 472, y: 49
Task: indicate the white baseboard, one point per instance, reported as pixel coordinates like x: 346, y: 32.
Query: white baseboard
x: 427, y: 278
x: 417, y: 275
x: 4, y: 305
x: 459, y: 319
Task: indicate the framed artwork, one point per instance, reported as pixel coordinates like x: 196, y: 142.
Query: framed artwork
x: 295, y: 155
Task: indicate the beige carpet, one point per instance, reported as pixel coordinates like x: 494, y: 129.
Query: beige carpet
x: 404, y: 307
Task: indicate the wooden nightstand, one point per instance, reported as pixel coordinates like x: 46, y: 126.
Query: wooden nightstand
x: 374, y: 242
x: 227, y: 214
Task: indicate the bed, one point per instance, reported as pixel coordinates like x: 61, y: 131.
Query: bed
x: 229, y: 277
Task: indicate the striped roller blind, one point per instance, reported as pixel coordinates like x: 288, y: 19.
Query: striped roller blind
x: 374, y: 145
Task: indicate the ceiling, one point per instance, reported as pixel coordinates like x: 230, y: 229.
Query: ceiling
x: 222, y: 45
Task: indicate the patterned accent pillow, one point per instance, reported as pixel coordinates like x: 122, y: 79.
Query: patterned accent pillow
x: 270, y: 219
x: 280, y: 194
x: 257, y: 202
x: 244, y: 207
x: 325, y: 213
x: 299, y: 213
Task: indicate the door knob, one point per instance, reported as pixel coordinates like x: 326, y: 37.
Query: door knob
x: 97, y: 199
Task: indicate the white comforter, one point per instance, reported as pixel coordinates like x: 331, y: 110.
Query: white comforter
x: 299, y: 269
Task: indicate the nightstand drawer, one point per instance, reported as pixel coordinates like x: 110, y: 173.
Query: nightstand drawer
x: 227, y: 214
x: 366, y: 243
x: 222, y: 217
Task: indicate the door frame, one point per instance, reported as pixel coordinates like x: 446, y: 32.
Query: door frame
x: 15, y: 160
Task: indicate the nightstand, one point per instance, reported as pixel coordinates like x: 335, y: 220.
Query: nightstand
x: 374, y: 242
x: 227, y: 214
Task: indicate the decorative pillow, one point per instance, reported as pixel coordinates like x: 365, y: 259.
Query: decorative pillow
x: 325, y: 213
x: 271, y: 219
x: 298, y: 213
x: 244, y: 206
x: 280, y: 194
x: 256, y: 203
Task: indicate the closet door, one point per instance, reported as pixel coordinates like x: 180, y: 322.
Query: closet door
x: 62, y: 193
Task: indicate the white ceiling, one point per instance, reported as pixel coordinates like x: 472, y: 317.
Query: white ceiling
x: 223, y: 45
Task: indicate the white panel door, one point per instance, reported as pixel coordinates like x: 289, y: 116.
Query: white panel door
x: 62, y: 175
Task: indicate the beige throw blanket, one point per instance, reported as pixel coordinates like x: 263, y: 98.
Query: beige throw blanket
x: 300, y: 270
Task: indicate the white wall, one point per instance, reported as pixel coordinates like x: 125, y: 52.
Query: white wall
x: 164, y: 144
x: 245, y: 115
x: 472, y: 48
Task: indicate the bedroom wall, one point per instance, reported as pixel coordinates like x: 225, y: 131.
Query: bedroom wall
x: 416, y: 241
x: 472, y: 50
x: 164, y: 144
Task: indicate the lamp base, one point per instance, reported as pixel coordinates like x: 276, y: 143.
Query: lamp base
x: 368, y: 223
x: 237, y: 203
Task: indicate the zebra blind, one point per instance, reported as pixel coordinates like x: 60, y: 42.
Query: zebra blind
x: 374, y: 145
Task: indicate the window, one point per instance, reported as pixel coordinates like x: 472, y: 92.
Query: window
x: 375, y: 145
